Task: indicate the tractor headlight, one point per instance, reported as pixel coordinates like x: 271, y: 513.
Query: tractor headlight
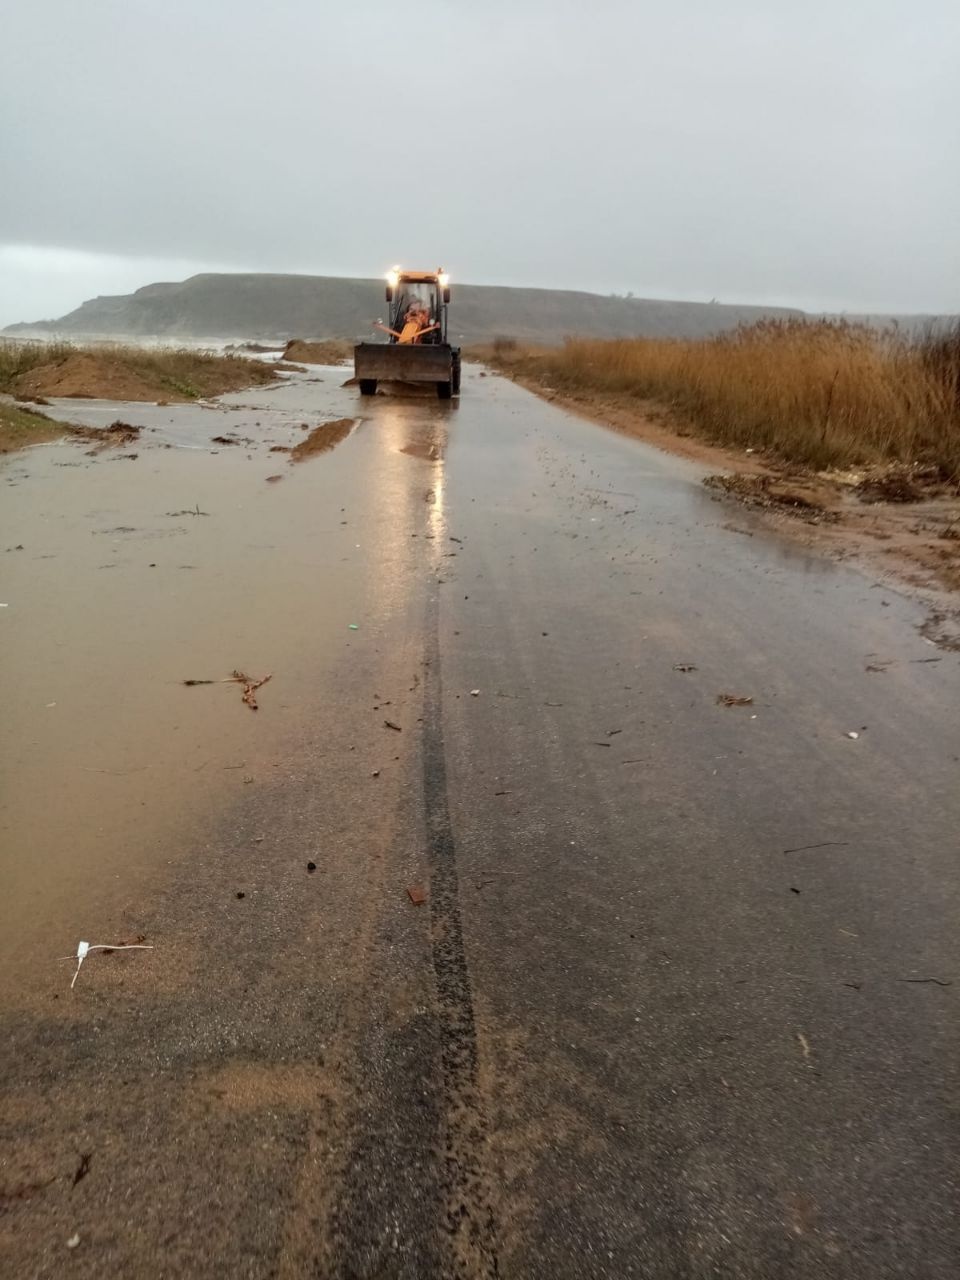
x: 393, y: 277
x: 443, y: 279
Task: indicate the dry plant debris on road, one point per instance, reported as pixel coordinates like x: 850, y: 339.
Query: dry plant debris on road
x: 250, y: 685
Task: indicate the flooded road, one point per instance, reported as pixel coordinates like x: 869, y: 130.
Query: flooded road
x: 681, y: 999
x: 136, y: 574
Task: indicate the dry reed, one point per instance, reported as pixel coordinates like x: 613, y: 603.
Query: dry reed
x: 824, y: 394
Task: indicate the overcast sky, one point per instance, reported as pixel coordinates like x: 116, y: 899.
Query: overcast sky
x: 750, y: 150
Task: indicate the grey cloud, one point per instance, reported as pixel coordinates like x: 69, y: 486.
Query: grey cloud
x: 754, y: 150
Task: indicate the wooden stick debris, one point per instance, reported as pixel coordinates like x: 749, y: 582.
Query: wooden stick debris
x: 824, y: 844
x: 250, y: 685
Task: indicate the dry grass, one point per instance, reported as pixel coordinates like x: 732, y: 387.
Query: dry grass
x: 183, y: 373
x: 19, y: 427
x: 194, y: 373
x: 20, y: 357
x: 822, y: 394
x: 505, y: 353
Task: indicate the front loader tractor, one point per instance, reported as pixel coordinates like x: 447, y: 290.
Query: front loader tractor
x: 416, y: 349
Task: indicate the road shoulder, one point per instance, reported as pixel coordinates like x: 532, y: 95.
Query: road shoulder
x: 903, y: 531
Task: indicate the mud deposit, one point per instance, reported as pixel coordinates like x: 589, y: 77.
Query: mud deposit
x: 802, y: 496
x: 331, y: 351
x: 322, y: 438
x: 91, y: 375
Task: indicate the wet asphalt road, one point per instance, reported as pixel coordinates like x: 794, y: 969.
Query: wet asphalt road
x: 681, y: 1001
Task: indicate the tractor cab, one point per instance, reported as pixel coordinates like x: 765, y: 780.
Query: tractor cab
x: 426, y: 292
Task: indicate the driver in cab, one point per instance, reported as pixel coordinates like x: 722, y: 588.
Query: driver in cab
x: 416, y: 323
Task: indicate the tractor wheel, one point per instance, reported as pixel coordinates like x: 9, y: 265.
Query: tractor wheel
x: 444, y: 390
x: 455, y: 384
x: 368, y: 386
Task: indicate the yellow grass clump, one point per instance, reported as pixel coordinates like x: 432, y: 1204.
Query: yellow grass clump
x: 824, y: 394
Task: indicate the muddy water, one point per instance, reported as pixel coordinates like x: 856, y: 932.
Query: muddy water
x: 112, y: 766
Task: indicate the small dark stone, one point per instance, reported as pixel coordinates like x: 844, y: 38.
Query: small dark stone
x: 311, y: 866
x: 241, y: 895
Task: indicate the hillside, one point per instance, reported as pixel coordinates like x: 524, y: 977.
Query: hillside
x: 284, y: 306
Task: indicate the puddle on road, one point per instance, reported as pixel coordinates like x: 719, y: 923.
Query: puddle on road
x: 122, y: 583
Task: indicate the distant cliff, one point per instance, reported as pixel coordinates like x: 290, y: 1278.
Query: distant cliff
x: 285, y: 306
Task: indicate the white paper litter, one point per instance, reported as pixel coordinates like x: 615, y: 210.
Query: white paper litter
x: 84, y: 949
